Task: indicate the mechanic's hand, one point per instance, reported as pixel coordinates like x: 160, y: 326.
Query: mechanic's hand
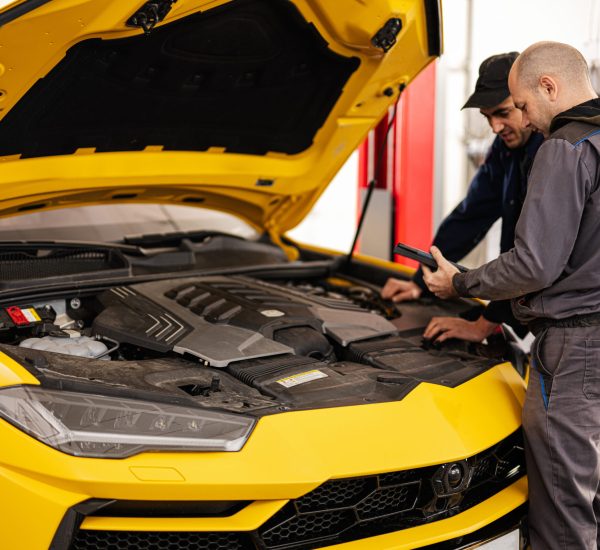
x: 443, y: 328
x: 440, y: 282
x: 400, y: 291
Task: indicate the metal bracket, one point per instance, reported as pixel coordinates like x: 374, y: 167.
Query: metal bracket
x: 385, y: 37
x: 150, y: 14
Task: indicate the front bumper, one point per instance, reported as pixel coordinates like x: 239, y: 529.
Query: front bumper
x: 288, y: 456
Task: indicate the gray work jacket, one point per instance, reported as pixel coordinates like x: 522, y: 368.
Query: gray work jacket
x: 553, y: 271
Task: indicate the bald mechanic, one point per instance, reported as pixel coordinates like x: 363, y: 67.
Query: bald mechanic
x: 553, y: 276
x: 497, y: 190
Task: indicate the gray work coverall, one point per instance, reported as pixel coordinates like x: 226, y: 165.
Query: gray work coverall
x: 553, y: 273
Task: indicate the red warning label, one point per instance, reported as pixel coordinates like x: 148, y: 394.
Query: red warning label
x: 17, y: 316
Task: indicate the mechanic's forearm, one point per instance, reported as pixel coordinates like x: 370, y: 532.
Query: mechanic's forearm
x: 514, y: 273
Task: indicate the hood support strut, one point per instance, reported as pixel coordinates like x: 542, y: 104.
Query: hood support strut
x: 373, y: 182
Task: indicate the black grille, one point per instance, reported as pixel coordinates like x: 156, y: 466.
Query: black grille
x: 389, y: 500
x: 156, y: 540
x: 338, y: 493
x: 313, y: 527
x: 484, y: 470
x: 343, y: 510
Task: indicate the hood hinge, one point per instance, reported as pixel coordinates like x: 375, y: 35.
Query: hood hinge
x: 150, y: 14
x: 291, y: 252
x: 386, y: 36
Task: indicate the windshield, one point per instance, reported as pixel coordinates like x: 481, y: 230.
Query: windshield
x: 110, y: 223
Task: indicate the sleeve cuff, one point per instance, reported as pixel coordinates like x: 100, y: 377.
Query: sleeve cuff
x: 460, y: 285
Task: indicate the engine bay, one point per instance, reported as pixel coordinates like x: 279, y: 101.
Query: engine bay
x: 237, y: 343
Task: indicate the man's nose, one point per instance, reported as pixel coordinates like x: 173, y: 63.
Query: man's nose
x: 524, y: 121
x: 497, y: 125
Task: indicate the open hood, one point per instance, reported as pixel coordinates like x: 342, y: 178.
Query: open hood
x: 247, y: 106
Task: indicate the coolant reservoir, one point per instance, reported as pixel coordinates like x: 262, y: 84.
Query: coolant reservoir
x: 81, y: 346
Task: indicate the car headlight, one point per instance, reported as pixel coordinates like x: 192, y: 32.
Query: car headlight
x: 90, y: 425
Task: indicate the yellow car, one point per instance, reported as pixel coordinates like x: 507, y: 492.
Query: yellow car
x: 175, y: 373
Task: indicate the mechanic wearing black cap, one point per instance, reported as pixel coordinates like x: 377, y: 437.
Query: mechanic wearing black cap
x: 497, y: 190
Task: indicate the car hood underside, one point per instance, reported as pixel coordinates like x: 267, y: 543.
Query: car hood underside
x: 248, y: 106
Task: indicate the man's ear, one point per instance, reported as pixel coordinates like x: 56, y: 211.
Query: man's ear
x: 548, y: 87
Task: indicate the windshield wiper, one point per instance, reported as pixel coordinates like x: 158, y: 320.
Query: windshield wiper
x: 173, y: 238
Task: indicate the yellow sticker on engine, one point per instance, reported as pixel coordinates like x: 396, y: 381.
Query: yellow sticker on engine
x: 301, y: 378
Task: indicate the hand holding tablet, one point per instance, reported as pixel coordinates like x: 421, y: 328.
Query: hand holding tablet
x: 422, y: 257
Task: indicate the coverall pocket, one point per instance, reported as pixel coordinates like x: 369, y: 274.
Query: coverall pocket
x: 591, y: 378
x: 537, y: 355
x: 542, y: 371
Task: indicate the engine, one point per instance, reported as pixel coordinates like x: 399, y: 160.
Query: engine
x: 233, y: 342
x: 221, y: 320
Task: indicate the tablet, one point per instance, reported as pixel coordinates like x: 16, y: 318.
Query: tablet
x: 421, y: 256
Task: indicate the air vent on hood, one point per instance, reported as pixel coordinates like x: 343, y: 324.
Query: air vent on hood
x: 16, y: 265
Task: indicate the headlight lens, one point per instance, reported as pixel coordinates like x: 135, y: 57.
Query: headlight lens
x: 91, y: 425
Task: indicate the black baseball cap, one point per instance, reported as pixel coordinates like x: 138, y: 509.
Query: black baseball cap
x: 492, y: 85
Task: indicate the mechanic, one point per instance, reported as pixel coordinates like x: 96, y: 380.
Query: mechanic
x: 498, y: 189
x: 553, y: 276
